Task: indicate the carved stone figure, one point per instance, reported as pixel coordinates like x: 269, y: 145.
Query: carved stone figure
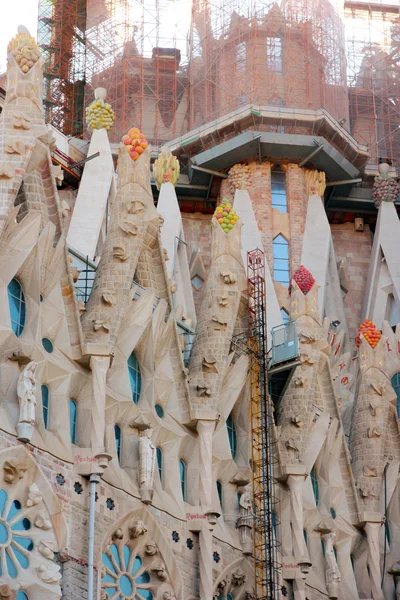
x: 238, y: 578
x: 168, y: 595
x: 137, y: 528
x: 150, y: 549
x: 46, y: 550
x: 34, y: 495
x: 42, y: 521
x: 118, y: 534
x: 147, y: 462
x: 332, y: 573
x: 26, y: 391
x: 13, y: 470
x: 245, y: 521
x: 49, y: 573
x: 160, y: 572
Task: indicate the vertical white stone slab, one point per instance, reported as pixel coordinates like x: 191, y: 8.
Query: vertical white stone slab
x: 178, y: 264
x: 317, y: 246
x: 383, y: 275
x: 90, y: 205
x: 251, y: 239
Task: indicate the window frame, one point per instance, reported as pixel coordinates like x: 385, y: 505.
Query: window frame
x: 118, y: 441
x: 73, y: 422
x: 283, y: 266
x: 232, y: 435
x: 17, y: 326
x: 134, y: 375
x: 45, y: 404
x: 278, y: 181
x: 159, y: 456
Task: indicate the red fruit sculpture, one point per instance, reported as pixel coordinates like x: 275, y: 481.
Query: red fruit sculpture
x: 370, y: 332
x: 304, y: 279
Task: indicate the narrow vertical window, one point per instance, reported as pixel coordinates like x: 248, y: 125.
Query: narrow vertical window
x: 278, y: 190
x: 16, y: 303
x: 274, y: 55
x: 135, y: 378
x: 117, y: 433
x: 231, y: 435
x: 72, y: 420
x: 45, y: 404
x: 159, y: 462
x: 219, y: 490
x: 280, y: 252
x: 314, y: 482
x: 182, y: 467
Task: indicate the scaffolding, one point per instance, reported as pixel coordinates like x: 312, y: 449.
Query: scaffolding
x: 263, y: 458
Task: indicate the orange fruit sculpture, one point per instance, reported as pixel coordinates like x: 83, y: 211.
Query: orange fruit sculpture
x: 370, y: 332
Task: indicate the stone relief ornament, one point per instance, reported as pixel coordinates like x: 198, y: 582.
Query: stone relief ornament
x: 13, y: 470
x: 118, y: 534
x: 160, y: 572
x: 228, y: 277
x: 370, y: 471
x: 128, y: 226
x: 15, y: 146
x: 137, y: 528
x: 34, y: 495
x: 49, y: 573
x: 6, y: 170
x: 6, y: 593
x: 332, y: 573
x: 109, y: 298
x: 120, y: 253
x: 46, y: 550
x: 168, y: 595
x: 203, y: 390
x: 26, y: 392
x: 150, y: 549
x: 210, y: 364
x: 42, y: 521
x: 147, y: 463
x: 238, y: 578
x: 102, y: 323
x: 21, y: 121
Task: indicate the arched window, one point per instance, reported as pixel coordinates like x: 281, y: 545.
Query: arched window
x: 117, y: 433
x: 278, y: 190
x: 231, y: 434
x: 314, y: 482
x: 396, y: 387
x: 72, y: 420
x: 159, y: 462
x: 16, y: 302
x: 135, y: 378
x: 182, y: 468
x: 45, y: 404
x: 219, y: 490
x: 285, y: 316
x: 280, y: 252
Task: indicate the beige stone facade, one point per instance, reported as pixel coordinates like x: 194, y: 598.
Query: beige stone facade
x: 125, y: 435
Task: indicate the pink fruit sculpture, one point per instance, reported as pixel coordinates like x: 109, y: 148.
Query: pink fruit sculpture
x: 135, y: 143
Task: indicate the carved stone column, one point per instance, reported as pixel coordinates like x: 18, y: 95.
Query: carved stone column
x: 205, y: 430
x: 295, y: 483
x: 99, y: 366
x: 372, y: 531
x: 205, y: 562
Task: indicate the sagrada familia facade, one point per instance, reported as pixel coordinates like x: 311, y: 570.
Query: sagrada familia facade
x: 125, y: 437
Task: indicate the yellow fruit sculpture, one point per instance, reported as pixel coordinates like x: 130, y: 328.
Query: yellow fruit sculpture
x: 226, y: 216
x: 135, y: 143
x: 25, y: 49
x: 166, y: 169
x: 99, y: 115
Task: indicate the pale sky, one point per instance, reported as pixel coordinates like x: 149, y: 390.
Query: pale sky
x: 14, y: 13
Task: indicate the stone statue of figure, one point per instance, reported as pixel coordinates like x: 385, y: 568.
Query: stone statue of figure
x: 332, y: 572
x: 147, y: 463
x: 246, y: 501
x: 245, y: 521
x: 26, y: 391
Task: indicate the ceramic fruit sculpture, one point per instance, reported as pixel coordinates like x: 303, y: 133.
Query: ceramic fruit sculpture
x: 370, y: 333
x: 25, y: 49
x: 385, y: 188
x: 304, y: 279
x: 226, y: 216
x: 99, y: 115
x: 135, y: 143
x: 166, y: 169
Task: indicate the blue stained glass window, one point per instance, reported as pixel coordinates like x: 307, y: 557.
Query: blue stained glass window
x: 117, y: 433
x: 231, y: 434
x: 135, y: 378
x: 314, y: 482
x: 45, y: 404
x: 159, y: 411
x: 219, y: 490
x: 305, y: 536
x: 182, y: 468
x: 278, y: 189
x: 16, y: 302
x: 21, y: 596
x: 280, y: 252
x: 396, y: 387
x: 72, y: 420
x: 333, y: 513
x: 47, y: 345
x: 159, y: 462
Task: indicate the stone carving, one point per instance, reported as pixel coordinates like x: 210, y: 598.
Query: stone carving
x: 385, y: 188
x: 21, y: 121
x: 34, y: 495
x: 102, y: 323
x: 49, y: 573
x: 250, y: 596
x: 103, y: 595
x: 65, y: 209
x: 300, y: 381
x: 6, y: 593
x: 306, y: 358
x: 168, y: 595
x: 165, y: 254
x: 24, y: 49
x: 374, y: 432
x: 147, y: 463
x: 160, y: 572
x: 297, y: 421
x: 315, y: 182
x: 109, y: 298
x: 370, y: 471
x: 150, y: 549
x: 166, y: 169
x: 222, y: 586
x: 376, y: 410
x: 379, y: 389
x: 173, y: 286
x: 203, y: 390
x: 58, y: 174
x: 291, y: 445
x: 239, y: 177
x: 332, y: 573
x: 223, y: 300
x: 26, y: 391
x: 6, y: 170
x: 14, y: 146
x: 245, y: 521
x: 118, y: 534
x: 42, y: 521
x: 210, y: 364
x: 128, y: 226
x: 137, y: 528
x: 309, y: 337
x: 367, y: 491
x: 238, y: 578
x: 228, y: 277
x: 46, y: 550
x: 13, y: 470
x: 120, y: 253
x: 135, y: 207
x: 221, y: 323
x: 246, y: 501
